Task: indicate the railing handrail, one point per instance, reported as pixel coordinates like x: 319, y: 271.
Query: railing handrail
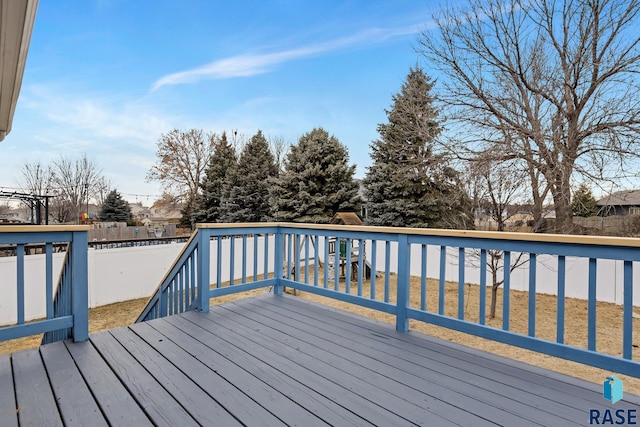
x: 188, y: 247
x: 473, y: 234
x: 400, y: 241
x: 41, y: 228
x: 74, y: 318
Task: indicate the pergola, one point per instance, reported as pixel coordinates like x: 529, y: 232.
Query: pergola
x: 35, y: 202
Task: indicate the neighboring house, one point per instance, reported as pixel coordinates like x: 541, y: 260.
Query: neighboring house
x: 165, y: 212
x: 625, y: 202
x: 140, y: 212
x: 14, y: 216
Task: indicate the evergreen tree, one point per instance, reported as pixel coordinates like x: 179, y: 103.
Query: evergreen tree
x: 222, y: 161
x: 115, y: 208
x: 408, y: 184
x: 583, y: 203
x: 317, y: 182
x: 186, y: 215
x: 246, y: 192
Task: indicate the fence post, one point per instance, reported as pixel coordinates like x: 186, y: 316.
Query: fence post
x: 278, y: 261
x: 402, y: 288
x: 204, y: 249
x: 80, y: 285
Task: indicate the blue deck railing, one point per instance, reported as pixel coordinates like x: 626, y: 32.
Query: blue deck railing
x: 181, y: 289
x: 65, y: 308
x: 414, y: 273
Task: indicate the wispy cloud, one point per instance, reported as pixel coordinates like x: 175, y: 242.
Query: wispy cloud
x: 98, y: 116
x: 250, y: 64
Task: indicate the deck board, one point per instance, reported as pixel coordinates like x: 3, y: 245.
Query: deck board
x: 72, y: 395
x: 242, y: 373
x: 458, y: 398
x: 116, y: 404
x: 346, y: 390
x: 369, y: 382
x: 159, y: 405
x: 35, y: 402
x: 444, y: 376
x: 542, y: 383
x: 197, y: 402
x: 8, y: 414
x: 225, y: 396
x: 279, y: 360
x: 323, y: 398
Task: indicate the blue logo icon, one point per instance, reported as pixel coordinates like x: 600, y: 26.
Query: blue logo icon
x: 612, y: 389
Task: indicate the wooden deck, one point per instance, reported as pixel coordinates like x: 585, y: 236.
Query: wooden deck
x: 277, y: 360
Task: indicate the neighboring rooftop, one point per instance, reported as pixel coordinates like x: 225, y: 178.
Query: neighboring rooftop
x: 346, y: 218
x: 621, y: 198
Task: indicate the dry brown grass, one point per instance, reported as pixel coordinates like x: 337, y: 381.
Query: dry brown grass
x: 609, y: 332
x: 100, y: 319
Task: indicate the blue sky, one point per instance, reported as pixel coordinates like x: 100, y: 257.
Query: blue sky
x: 107, y: 78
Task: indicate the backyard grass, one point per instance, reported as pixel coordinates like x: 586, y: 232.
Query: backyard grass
x: 609, y: 324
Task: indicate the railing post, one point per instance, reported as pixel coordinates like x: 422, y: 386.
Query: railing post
x: 402, y: 288
x: 278, y: 259
x: 80, y: 285
x: 204, y: 249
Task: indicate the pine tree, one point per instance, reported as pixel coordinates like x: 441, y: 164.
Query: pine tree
x: 222, y: 161
x: 409, y: 185
x: 583, y: 203
x: 246, y: 192
x: 317, y: 182
x: 115, y: 208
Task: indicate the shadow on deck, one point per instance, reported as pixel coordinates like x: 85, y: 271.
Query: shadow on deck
x: 276, y: 360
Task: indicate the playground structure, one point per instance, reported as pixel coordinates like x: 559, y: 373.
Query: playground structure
x: 348, y: 252
x: 345, y: 256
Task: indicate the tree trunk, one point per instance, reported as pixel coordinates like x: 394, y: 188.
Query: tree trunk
x: 561, y: 192
x: 494, y: 292
x: 494, y: 297
x: 538, y: 198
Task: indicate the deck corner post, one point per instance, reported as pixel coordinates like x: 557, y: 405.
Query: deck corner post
x: 402, y: 287
x: 203, y: 268
x: 80, y: 285
x: 278, y: 260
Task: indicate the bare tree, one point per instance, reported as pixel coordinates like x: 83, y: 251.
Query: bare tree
x: 103, y: 187
x: 60, y: 210
x: 559, y: 78
x: 496, y: 266
x: 497, y: 188
x: 76, y: 182
x: 238, y: 140
x: 36, y: 178
x: 182, y: 157
x: 279, y: 148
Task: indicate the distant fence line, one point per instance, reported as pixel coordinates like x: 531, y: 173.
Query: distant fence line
x: 124, y: 232
x: 615, y: 225
x: 134, y: 243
